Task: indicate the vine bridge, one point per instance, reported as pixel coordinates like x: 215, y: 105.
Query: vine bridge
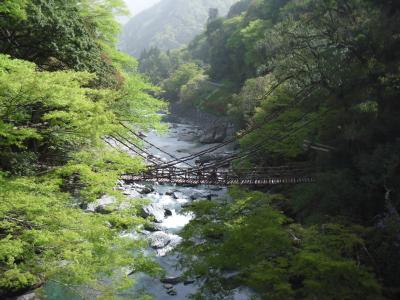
x: 223, y: 177
x: 180, y: 170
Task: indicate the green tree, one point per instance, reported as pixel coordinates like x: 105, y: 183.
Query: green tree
x: 247, y: 241
x: 182, y: 75
x: 52, y: 124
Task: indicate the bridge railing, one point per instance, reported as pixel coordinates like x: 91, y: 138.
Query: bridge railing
x: 285, y: 174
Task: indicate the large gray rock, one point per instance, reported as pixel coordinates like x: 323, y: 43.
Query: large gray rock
x: 153, y: 210
x: 207, y: 137
x: 159, y: 240
x: 29, y: 296
x: 215, y: 134
x: 102, y: 204
x: 174, y: 194
x: 164, y: 243
x: 146, y: 190
x: 152, y: 227
x: 220, y: 134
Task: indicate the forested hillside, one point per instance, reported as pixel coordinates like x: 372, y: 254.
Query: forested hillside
x: 312, y: 88
x: 64, y: 89
x: 169, y: 24
x: 311, y: 82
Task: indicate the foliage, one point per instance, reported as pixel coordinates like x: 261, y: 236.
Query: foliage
x: 63, y: 35
x: 50, y: 115
x: 44, y: 236
x: 54, y: 161
x: 13, y: 8
x: 182, y: 75
x: 246, y: 241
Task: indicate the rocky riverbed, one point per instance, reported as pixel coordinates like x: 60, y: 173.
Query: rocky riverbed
x: 166, y: 203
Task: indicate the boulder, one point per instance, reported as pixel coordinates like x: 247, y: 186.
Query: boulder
x: 215, y: 134
x: 207, y: 137
x: 220, y: 134
x: 173, y: 194
x: 153, y: 210
x: 152, y: 227
x: 167, y: 213
x: 29, y: 296
x: 146, y: 190
x: 175, y: 240
x: 100, y: 204
x: 172, y: 292
x: 131, y: 193
x: 172, y: 280
x: 104, y: 210
x: 159, y: 240
x: 168, y: 286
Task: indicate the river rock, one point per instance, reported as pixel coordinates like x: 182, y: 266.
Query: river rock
x: 220, y: 134
x: 198, y: 195
x: 153, y: 210
x: 175, y: 240
x: 188, y: 282
x: 152, y: 227
x: 172, y: 280
x: 159, y: 240
x: 215, y: 134
x: 167, y: 213
x: 174, y: 194
x: 100, y: 204
x: 29, y: 296
x: 131, y: 193
x: 104, y: 210
x: 207, y: 137
x: 146, y: 190
x: 172, y: 292
x: 168, y: 286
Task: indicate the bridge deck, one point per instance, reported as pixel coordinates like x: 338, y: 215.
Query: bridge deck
x: 222, y: 178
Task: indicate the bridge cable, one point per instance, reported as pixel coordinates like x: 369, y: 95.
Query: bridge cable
x: 154, y: 146
x: 133, y: 150
x: 268, y: 118
x: 259, y: 146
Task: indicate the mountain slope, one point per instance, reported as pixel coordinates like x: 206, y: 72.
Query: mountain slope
x: 169, y: 24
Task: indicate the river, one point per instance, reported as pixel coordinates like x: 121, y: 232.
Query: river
x: 166, y: 204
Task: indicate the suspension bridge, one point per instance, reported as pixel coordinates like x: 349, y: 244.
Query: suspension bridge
x: 180, y: 170
x: 223, y: 177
